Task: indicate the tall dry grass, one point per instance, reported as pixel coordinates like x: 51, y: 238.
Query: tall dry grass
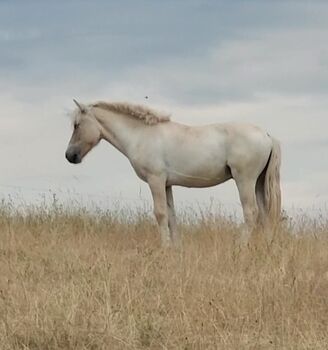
x: 73, y: 280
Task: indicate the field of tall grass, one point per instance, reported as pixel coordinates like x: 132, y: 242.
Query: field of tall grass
x: 71, y: 279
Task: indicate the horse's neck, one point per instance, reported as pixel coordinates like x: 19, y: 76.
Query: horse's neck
x: 119, y: 130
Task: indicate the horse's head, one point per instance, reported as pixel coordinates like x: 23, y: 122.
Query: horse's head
x: 86, y: 134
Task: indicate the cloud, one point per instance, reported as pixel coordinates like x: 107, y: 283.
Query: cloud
x: 292, y: 63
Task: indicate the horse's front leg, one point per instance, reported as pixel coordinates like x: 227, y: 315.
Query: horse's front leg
x: 172, y: 218
x: 157, y: 187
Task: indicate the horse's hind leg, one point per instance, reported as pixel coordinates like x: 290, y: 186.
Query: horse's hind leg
x: 246, y: 189
x: 157, y: 187
x: 172, y: 219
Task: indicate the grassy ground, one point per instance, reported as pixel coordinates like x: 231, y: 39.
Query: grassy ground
x: 81, y: 281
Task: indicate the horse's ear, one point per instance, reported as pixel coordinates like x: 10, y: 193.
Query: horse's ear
x: 81, y: 107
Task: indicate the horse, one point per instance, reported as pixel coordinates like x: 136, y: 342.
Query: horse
x: 165, y: 153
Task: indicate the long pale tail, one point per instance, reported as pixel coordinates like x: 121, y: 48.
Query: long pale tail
x: 272, y: 192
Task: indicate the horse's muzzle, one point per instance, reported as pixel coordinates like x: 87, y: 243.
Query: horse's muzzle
x: 73, y: 157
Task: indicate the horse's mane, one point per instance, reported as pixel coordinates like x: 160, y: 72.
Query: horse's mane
x: 145, y: 114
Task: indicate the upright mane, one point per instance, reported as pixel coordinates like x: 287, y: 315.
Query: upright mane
x: 145, y: 114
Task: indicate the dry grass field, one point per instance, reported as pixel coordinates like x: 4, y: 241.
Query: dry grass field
x: 73, y: 280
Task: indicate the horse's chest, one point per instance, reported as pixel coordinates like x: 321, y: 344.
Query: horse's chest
x: 140, y: 170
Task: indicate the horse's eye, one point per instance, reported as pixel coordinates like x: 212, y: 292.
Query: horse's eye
x: 76, y: 126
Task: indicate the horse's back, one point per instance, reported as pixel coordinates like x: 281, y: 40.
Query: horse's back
x: 227, y: 137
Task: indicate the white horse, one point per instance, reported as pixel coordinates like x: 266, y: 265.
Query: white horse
x: 164, y: 153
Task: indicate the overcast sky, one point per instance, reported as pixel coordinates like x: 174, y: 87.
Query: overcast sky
x: 265, y: 62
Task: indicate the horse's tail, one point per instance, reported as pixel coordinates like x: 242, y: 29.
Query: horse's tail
x: 272, y: 192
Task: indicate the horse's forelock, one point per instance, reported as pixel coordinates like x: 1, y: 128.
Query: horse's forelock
x: 77, y: 114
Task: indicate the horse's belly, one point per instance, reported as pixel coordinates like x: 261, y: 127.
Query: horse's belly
x: 201, y: 177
